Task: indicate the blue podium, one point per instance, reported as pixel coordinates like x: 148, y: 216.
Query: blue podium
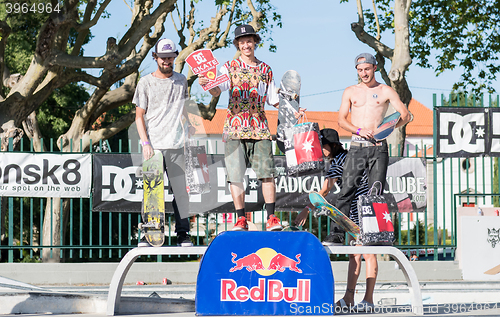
x: 265, y: 273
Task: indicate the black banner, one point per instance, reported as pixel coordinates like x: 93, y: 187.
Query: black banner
x: 468, y: 132
x: 117, y: 189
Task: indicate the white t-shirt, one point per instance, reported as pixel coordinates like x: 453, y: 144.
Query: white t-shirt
x: 163, y: 100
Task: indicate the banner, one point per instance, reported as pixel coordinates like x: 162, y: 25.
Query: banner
x: 45, y: 175
x: 495, y: 131
x: 406, y: 187
x: 468, y: 132
x: 116, y: 188
x: 277, y: 274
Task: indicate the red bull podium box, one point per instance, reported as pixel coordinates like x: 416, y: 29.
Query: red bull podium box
x: 265, y: 273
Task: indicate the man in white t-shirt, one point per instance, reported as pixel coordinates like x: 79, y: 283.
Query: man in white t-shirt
x: 160, y: 113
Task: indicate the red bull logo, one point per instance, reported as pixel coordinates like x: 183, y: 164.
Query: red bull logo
x: 266, y: 262
x: 272, y: 291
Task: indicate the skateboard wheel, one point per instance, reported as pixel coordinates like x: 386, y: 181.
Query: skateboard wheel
x: 138, y: 172
x: 353, y: 243
x: 157, y: 226
x: 140, y: 225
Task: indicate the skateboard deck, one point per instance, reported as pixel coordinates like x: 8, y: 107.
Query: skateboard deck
x: 326, y: 209
x: 493, y: 271
x: 386, y: 127
x: 289, y: 97
x: 153, y: 210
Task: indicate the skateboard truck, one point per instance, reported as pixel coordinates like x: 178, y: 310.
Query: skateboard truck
x: 287, y: 93
x: 321, y: 212
x: 140, y: 173
x: 155, y: 225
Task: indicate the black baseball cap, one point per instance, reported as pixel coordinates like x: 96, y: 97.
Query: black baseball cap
x: 329, y: 136
x: 244, y: 30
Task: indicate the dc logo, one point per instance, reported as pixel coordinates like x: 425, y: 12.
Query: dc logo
x: 462, y: 133
x: 118, y: 184
x: 199, y: 58
x: 167, y: 47
x: 366, y: 210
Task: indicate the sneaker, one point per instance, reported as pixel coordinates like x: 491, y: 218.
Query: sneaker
x: 241, y: 224
x: 334, y: 239
x: 273, y: 224
x: 143, y: 242
x: 184, y: 240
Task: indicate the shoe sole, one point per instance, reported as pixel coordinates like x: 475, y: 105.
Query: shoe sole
x: 239, y: 229
x: 332, y: 243
x: 275, y: 228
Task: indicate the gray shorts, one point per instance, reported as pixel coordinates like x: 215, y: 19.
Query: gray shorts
x: 240, y: 154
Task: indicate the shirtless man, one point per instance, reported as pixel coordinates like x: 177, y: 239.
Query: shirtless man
x: 368, y: 102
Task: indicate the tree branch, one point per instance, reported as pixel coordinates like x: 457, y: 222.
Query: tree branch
x: 96, y: 18
x: 117, y: 97
x: 372, y: 42
x: 377, y: 23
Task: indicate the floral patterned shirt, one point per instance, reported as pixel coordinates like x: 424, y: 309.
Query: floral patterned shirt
x: 249, y: 88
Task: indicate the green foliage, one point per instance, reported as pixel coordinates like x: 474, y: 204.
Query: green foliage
x: 55, y: 114
x: 22, y: 40
x: 458, y: 33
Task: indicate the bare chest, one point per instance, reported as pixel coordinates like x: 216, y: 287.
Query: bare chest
x: 369, y: 99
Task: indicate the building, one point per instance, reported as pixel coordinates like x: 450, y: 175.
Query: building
x: 418, y: 132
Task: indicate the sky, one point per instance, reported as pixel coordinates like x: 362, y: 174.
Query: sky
x: 316, y: 40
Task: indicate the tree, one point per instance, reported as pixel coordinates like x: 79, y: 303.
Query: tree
x: 57, y: 60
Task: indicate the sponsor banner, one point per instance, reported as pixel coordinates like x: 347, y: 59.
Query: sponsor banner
x: 406, y: 186
x: 278, y: 273
x: 117, y: 189
x: 467, y: 132
x: 495, y: 131
x: 45, y: 175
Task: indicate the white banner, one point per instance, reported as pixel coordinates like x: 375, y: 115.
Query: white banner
x: 45, y: 175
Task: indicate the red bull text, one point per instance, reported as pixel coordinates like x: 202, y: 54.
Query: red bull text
x: 263, y: 274
x: 270, y: 291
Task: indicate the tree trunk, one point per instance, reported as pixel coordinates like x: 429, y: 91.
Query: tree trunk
x: 3, y: 222
x: 52, y: 223
x: 401, y: 60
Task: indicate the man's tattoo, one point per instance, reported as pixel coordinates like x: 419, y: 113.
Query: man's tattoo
x: 350, y: 290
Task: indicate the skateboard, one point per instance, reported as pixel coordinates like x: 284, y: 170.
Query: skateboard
x: 153, y: 207
x: 289, y: 96
x: 326, y: 209
x: 386, y: 127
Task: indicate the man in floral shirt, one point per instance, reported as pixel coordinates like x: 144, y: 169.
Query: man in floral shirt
x: 246, y: 131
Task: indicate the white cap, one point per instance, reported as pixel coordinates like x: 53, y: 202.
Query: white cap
x: 166, y: 48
